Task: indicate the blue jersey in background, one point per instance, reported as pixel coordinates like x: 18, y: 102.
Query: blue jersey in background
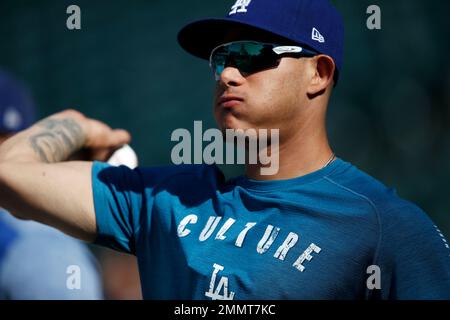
x: 37, y: 263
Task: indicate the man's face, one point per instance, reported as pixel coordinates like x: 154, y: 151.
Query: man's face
x: 268, y: 99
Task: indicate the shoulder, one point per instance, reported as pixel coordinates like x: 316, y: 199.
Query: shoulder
x: 179, y: 172
x: 395, y: 215
x: 382, y: 198
x: 182, y: 175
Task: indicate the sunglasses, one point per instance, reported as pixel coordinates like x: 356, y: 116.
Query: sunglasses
x: 251, y: 57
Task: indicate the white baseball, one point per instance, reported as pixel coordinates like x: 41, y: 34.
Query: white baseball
x: 124, y: 156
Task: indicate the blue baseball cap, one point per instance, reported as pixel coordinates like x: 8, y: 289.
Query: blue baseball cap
x: 17, y: 109
x: 315, y: 24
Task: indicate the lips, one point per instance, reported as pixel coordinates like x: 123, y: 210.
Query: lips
x: 229, y: 101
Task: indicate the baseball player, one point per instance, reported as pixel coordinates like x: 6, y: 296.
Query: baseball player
x: 319, y: 228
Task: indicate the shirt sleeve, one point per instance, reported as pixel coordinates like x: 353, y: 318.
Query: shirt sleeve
x: 413, y: 256
x: 118, y: 201
x: 124, y: 199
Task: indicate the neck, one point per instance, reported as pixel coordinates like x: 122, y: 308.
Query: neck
x: 305, y: 152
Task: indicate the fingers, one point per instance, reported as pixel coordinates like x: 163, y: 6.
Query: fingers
x: 114, y: 138
x: 101, y: 135
x: 100, y: 138
x: 120, y: 137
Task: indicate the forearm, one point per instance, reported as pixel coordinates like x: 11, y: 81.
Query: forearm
x: 54, y: 139
x: 38, y: 182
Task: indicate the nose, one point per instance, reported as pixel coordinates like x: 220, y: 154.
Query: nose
x: 231, y: 77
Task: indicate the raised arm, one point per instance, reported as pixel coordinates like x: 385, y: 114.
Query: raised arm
x: 38, y: 182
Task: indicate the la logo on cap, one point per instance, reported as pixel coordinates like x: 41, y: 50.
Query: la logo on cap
x: 240, y: 6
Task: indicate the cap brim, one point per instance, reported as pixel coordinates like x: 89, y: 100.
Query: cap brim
x: 200, y: 37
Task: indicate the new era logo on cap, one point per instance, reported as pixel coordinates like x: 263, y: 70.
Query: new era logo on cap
x: 240, y: 6
x: 316, y: 36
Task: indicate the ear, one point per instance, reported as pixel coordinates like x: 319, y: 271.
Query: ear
x: 323, y: 75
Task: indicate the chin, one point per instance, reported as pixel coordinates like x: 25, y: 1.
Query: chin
x: 229, y: 121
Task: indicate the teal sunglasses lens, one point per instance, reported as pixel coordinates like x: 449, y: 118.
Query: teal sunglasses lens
x: 247, y: 57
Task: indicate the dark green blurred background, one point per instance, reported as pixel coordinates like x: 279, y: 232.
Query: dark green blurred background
x: 389, y: 115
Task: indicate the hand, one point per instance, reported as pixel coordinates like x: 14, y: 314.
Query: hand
x: 100, y: 140
x: 67, y: 135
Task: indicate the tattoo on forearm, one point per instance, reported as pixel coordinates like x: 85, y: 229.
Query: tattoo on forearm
x: 59, y: 139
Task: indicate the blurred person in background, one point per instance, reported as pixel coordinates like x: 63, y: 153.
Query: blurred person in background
x: 36, y: 260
